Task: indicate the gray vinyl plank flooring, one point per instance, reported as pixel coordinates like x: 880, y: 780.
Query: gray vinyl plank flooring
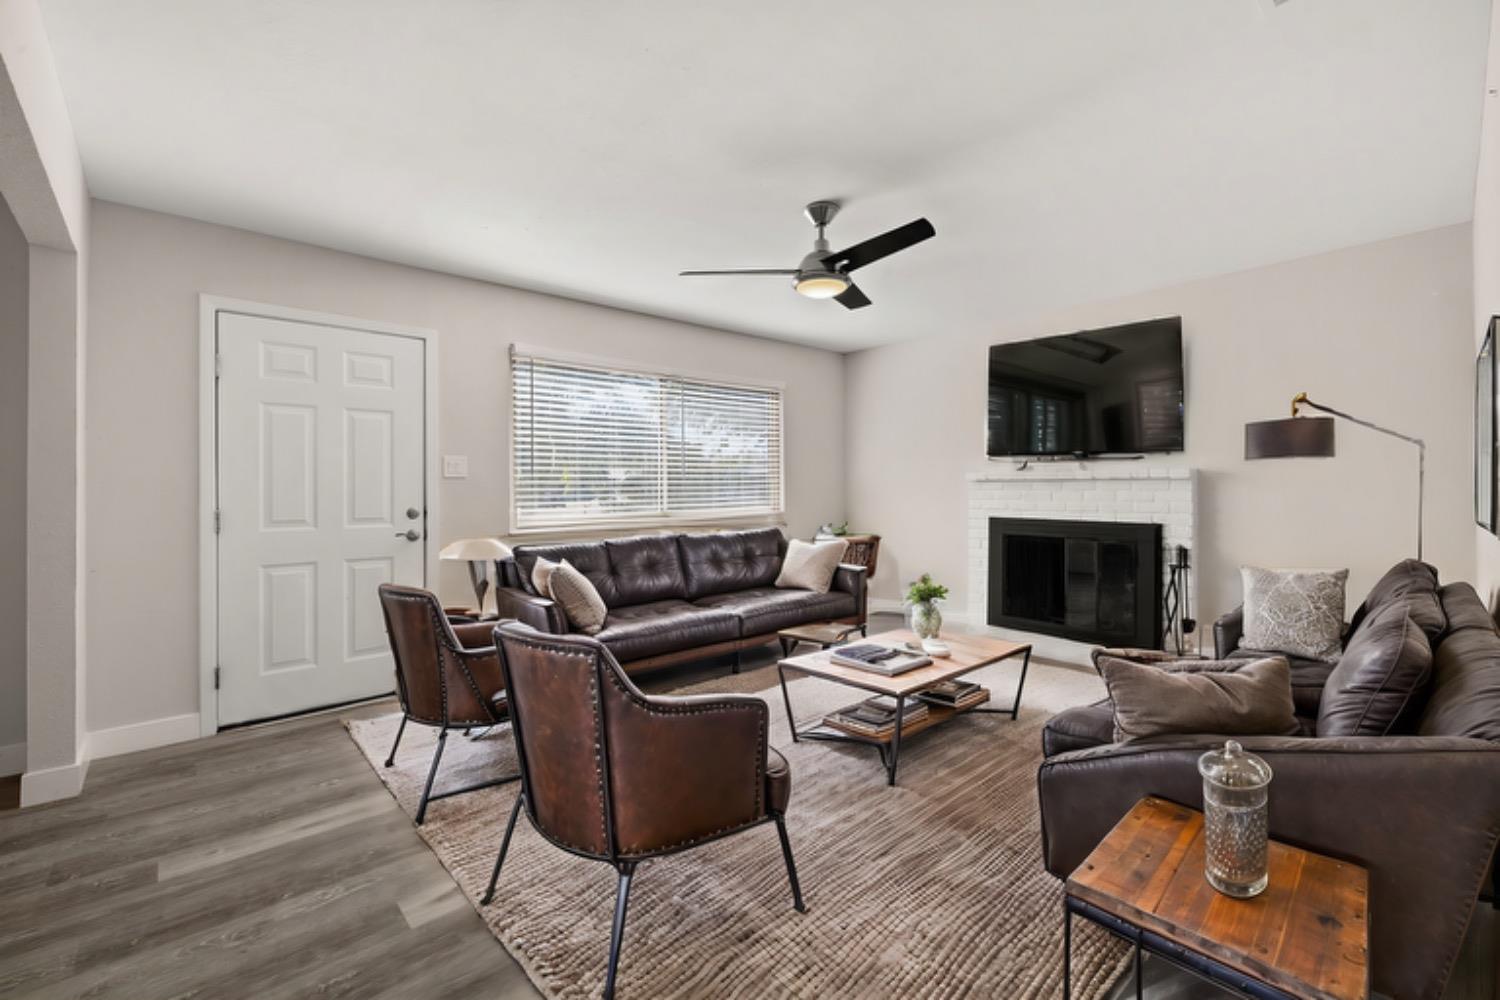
x: 269, y: 862
x: 265, y: 862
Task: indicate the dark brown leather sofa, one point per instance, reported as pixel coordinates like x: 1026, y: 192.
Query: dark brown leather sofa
x: 678, y: 597
x: 1419, y: 807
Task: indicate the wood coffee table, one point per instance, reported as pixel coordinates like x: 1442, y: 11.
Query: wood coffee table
x: 970, y: 652
x: 1306, y: 937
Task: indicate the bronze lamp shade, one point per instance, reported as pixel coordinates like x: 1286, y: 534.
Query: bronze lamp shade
x: 1293, y: 437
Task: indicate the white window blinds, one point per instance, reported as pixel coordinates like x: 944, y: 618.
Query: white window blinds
x: 597, y: 445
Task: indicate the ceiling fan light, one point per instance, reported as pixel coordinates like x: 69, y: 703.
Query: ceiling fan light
x: 822, y: 285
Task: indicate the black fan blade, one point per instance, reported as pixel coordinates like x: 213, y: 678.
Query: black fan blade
x: 738, y: 270
x: 880, y: 246
x: 852, y: 297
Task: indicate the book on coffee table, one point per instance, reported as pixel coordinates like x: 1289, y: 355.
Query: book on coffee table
x: 887, y: 661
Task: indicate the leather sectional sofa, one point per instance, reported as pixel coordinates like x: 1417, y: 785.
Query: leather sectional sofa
x: 678, y: 597
x: 1418, y: 806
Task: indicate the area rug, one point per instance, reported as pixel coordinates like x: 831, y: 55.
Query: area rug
x: 934, y: 888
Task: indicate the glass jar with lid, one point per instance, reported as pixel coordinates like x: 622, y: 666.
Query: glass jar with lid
x: 1236, y: 787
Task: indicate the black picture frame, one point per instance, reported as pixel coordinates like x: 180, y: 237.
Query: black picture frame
x: 1486, y: 489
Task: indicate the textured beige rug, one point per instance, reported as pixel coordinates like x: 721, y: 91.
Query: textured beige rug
x: 934, y: 888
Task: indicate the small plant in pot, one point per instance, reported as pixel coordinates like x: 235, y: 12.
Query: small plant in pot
x: 926, y: 620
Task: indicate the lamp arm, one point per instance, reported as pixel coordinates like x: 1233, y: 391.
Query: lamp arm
x: 1301, y: 400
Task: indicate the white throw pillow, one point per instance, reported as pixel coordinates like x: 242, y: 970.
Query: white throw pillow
x: 1299, y: 612
x: 541, y: 576
x: 810, y: 565
x: 580, y: 600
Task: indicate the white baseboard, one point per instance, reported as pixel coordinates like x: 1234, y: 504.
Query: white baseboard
x: 12, y: 759
x: 52, y: 783
x: 143, y: 735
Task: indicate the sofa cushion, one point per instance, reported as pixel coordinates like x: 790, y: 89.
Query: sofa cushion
x: 646, y: 569
x: 1224, y: 697
x: 764, y: 610
x: 589, y: 558
x: 641, y: 630
x: 726, y: 561
x: 1079, y: 728
x: 1464, y: 696
x: 1308, y: 678
x: 1295, y: 612
x: 1413, y: 580
x: 1381, y: 678
x: 1463, y: 609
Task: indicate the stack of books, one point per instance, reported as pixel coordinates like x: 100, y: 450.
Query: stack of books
x: 955, y: 694
x: 876, y: 717
x: 877, y: 659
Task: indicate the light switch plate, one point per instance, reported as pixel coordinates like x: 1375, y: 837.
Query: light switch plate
x: 455, y: 466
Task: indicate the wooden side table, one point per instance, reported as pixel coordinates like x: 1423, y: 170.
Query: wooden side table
x: 863, y: 550
x: 1306, y: 937
x: 820, y: 634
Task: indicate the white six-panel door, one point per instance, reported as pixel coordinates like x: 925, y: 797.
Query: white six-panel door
x: 321, y: 499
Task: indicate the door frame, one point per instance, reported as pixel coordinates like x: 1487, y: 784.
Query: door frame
x: 209, y: 307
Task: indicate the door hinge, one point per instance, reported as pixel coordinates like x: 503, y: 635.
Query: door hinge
x: 218, y: 520
x: 217, y: 671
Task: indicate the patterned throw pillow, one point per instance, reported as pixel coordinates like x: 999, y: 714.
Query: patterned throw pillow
x: 1298, y: 612
x: 580, y: 600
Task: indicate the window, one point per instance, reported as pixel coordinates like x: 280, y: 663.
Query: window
x: 597, y: 445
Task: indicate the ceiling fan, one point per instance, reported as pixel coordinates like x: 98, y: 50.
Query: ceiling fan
x: 824, y: 274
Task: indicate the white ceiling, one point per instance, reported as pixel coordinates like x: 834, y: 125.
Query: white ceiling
x: 1066, y: 150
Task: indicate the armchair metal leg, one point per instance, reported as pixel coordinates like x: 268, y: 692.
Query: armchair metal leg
x: 791, y: 866
x: 391, y: 760
x: 618, y: 932
x: 510, y: 827
x: 431, y: 774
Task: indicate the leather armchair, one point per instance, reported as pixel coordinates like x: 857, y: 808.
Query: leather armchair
x: 447, y: 676
x: 1421, y: 813
x: 613, y: 775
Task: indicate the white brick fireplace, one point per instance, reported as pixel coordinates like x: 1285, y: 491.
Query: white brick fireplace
x: 1116, y: 492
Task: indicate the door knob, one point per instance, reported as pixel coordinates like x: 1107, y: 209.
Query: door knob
x: 410, y: 534
x: 412, y: 513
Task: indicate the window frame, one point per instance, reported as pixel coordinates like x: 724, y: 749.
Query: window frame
x: 626, y: 522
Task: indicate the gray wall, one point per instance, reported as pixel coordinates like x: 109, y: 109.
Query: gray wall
x: 147, y: 270
x: 13, y: 337
x: 1382, y: 331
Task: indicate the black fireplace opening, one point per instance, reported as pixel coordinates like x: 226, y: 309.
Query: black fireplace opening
x: 1091, y: 581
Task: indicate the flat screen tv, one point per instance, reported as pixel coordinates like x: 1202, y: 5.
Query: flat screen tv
x: 1113, y: 391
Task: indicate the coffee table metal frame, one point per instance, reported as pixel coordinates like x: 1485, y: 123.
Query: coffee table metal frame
x: 890, y: 751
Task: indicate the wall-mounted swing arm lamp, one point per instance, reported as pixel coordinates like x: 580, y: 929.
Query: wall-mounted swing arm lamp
x: 1312, y: 437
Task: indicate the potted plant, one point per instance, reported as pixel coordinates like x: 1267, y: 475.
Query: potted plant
x: 923, y: 595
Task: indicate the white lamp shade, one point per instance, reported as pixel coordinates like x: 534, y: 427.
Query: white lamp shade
x: 475, y: 550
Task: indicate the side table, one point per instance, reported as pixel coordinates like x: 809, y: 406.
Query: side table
x: 1306, y: 937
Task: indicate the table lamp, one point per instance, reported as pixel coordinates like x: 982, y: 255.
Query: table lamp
x: 478, y: 553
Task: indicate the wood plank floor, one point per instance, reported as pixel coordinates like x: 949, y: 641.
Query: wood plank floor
x: 271, y: 863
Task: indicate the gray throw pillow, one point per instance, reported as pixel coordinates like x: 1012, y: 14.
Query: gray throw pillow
x: 1299, y: 612
x: 1219, y: 697
x: 1380, y: 679
x: 810, y: 565
x: 580, y: 600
